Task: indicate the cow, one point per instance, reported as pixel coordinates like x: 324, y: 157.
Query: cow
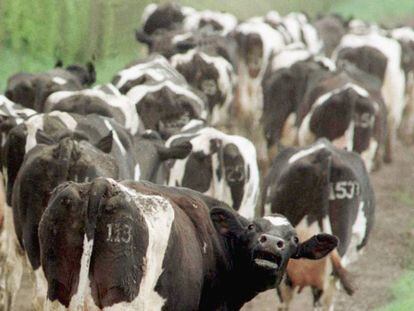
x: 256, y: 41
x: 341, y: 109
x: 320, y: 188
x: 405, y: 36
x: 164, y: 17
x: 211, y: 75
x: 166, y: 106
x: 291, y: 74
x: 153, y: 69
x: 379, y: 56
x: 105, y: 100
x: 226, y: 167
x: 57, y: 152
x: 331, y: 28
x: 148, y: 247
x: 32, y: 90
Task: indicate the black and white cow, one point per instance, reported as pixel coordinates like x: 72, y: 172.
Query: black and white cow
x: 150, y: 70
x: 340, y: 109
x: 225, y: 165
x: 213, y: 76
x: 166, y: 106
x: 291, y: 73
x: 405, y: 36
x: 132, y: 245
x: 32, y: 90
x: 320, y: 188
x: 49, y: 149
x: 105, y: 100
x: 256, y: 41
x: 379, y: 56
x: 164, y: 17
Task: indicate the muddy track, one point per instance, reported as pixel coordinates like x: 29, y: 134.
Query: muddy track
x: 386, y: 254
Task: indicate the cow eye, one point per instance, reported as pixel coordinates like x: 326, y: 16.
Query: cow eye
x: 251, y: 227
x: 295, y: 240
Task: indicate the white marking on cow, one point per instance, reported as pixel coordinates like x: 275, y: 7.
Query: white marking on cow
x: 193, y: 123
x: 219, y: 188
x: 359, y: 230
x: 158, y: 215
x: 148, y: 11
x: 59, y: 80
x: 227, y: 21
x: 306, y: 152
x: 137, y: 172
x: 33, y: 124
x: 11, y: 109
x: 66, y: 119
x: 116, y: 100
x: 157, y: 68
x: 368, y: 155
x: 299, y: 27
x: 278, y: 221
x: 115, y: 136
x: 405, y: 34
x: 204, y: 247
x: 290, y: 55
x: 77, y: 300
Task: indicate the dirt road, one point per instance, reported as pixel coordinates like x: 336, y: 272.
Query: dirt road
x: 386, y: 254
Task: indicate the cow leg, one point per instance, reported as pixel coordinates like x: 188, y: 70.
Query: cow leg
x: 13, y: 271
x: 323, y: 300
x: 389, y: 141
x: 406, y: 130
x: 40, y: 289
x: 286, y: 292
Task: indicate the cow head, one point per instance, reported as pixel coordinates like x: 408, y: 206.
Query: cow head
x: 265, y: 245
x: 21, y: 89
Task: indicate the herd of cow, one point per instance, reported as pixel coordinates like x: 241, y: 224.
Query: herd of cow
x: 133, y: 195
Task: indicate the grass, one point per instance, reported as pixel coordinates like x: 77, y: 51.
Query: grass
x: 403, y: 289
x: 403, y: 294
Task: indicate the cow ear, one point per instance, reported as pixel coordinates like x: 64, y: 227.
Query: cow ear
x: 105, y: 144
x: 143, y: 37
x: 43, y: 138
x: 225, y: 221
x: 179, y: 151
x: 316, y: 247
x: 59, y: 63
x: 91, y: 71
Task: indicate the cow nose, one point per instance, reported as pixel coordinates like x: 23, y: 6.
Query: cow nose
x: 267, y: 240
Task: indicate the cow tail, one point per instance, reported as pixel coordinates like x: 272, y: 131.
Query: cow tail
x: 98, y: 190
x: 63, y: 154
x: 342, y: 273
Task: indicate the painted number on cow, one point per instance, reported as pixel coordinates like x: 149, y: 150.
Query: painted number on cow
x: 344, y: 190
x: 119, y: 233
